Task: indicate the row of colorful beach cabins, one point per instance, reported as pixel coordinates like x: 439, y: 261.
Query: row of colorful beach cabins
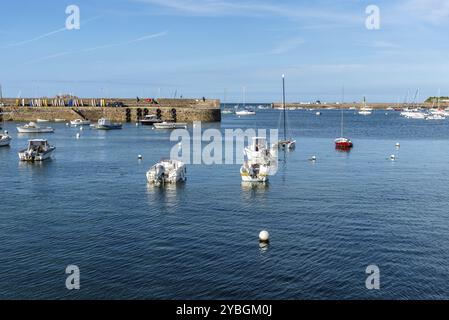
x: 58, y: 102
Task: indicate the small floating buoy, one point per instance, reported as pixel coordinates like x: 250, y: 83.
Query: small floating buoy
x: 139, y: 157
x: 67, y: 124
x: 81, y: 128
x: 398, y: 145
x: 313, y: 158
x: 137, y: 124
x: 6, y: 132
x: 264, y: 236
x: 77, y: 135
x: 392, y: 157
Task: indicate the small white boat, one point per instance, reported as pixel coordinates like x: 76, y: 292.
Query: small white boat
x: 435, y: 117
x: 38, y: 150
x: 150, y: 119
x: 5, y: 139
x: 170, y: 125
x: 318, y: 113
x: 288, y: 144
x: 32, y: 127
x: 42, y: 120
x: 261, y: 162
x: 80, y: 122
x: 246, y: 112
x: 59, y: 120
x: 365, y: 110
x: 227, y: 111
x: 106, y: 124
x: 167, y: 171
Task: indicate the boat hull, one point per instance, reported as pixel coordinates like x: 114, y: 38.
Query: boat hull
x: 170, y: 126
x: 4, y: 142
x: 25, y: 156
x: 34, y: 130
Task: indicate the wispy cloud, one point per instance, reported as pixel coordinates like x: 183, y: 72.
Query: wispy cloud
x: 47, y: 34
x: 287, y: 45
x: 106, y: 46
x: 214, y: 8
x: 433, y: 11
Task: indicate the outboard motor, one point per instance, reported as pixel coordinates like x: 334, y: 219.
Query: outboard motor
x: 160, y: 173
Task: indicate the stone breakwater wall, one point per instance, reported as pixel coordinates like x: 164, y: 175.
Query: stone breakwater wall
x: 278, y: 105
x: 184, y: 110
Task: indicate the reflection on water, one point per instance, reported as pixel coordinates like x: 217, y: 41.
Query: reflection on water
x: 166, y: 196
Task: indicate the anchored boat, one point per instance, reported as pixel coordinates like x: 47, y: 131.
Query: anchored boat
x: 170, y: 125
x: 32, y: 127
x: 343, y: 143
x: 80, y: 122
x: 38, y: 150
x: 150, y: 119
x: 106, y: 124
x: 285, y: 144
x: 261, y: 162
x: 167, y: 171
x: 5, y: 139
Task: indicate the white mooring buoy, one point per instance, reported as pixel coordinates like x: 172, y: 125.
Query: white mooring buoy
x: 398, y: 145
x: 139, y: 157
x: 264, y: 236
x: 313, y: 158
x: 6, y: 132
x: 77, y: 135
x: 67, y: 124
x: 81, y: 128
x: 392, y: 157
x: 137, y: 124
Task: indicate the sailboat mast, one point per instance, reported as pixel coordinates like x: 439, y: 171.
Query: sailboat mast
x: 283, y: 103
x: 343, y: 102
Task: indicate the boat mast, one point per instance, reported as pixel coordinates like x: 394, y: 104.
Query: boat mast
x: 343, y: 102
x: 283, y: 103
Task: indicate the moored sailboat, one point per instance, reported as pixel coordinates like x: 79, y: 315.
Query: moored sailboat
x: 285, y: 144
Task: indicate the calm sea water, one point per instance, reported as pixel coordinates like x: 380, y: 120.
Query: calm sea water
x: 91, y: 206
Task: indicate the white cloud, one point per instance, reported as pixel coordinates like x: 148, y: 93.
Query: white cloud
x: 216, y: 8
x: 287, y: 45
x: 433, y: 11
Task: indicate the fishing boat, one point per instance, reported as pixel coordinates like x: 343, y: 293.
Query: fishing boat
x: 80, y: 122
x: 5, y: 139
x: 170, y: 125
x: 38, y: 150
x: 167, y: 171
x: 106, y: 124
x: 285, y: 144
x: 32, y: 127
x: 365, y: 110
x: 149, y: 120
x: 260, y: 161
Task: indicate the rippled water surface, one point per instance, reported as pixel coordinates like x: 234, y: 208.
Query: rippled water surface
x: 91, y: 206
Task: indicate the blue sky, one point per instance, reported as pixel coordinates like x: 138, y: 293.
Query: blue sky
x: 198, y: 48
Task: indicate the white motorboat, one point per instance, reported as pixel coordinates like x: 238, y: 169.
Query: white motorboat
x: 59, y: 120
x: 150, y: 119
x: 32, y: 127
x: 38, y: 150
x: 80, y: 122
x: 260, y: 161
x: 5, y: 139
x: 106, y: 124
x: 167, y: 171
x: 42, y: 120
x: 170, y: 125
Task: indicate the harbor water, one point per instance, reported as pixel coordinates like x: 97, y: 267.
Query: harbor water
x: 328, y: 220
